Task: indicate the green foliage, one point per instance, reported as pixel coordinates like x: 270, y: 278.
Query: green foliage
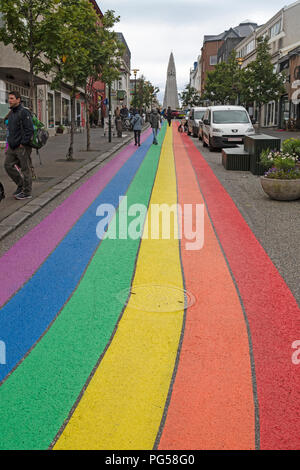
x: 280, y: 165
x: 145, y: 94
x: 291, y: 146
x: 190, y: 97
x: 260, y: 83
x: 224, y: 83
x: 29, y: 26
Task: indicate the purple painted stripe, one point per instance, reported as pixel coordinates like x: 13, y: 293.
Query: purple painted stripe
x: 26, y: 256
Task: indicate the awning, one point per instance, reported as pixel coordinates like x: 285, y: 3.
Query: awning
x: 20, y: 76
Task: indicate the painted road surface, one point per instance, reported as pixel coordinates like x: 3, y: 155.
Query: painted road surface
x: 146, y: 340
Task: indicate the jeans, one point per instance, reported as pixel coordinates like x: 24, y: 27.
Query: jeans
x: 155, y: 132
x: 137, y: 137
x: 20, y: 157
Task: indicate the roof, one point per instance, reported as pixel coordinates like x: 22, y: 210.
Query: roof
x: 123, y: 40
x: 97, y: 8
x: 243, y: 30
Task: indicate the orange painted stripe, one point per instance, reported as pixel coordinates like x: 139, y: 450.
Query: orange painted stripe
x: 212, y: 404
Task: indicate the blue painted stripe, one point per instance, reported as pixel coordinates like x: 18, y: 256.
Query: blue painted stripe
x: 29, y: 313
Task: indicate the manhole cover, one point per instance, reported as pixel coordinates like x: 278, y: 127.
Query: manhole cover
x: 155, y: 298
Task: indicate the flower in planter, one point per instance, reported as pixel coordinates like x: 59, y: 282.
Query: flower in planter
x: 280, y: 165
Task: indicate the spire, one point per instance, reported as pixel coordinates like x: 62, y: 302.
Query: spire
x: 171, y: 91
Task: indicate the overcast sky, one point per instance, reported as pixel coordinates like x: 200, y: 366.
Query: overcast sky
x: 153, y: 29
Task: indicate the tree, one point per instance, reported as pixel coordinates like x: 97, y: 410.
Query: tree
x: 103, y: 50
x: 190, y: 97
x: 29, y: 26
x: 224, y: 83
x: 76, y: 55
x: 145, y: 94
x: 260, y: 83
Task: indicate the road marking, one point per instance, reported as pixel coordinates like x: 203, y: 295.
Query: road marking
x: 123, y: 405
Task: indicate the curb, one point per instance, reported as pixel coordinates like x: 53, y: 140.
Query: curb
x: 12, y: 222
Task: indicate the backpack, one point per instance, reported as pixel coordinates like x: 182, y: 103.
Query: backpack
x: 40, y: 135
x: 2, y: 193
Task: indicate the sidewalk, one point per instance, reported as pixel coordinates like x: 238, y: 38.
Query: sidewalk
x: 56, y: 173
x: 283, y: 135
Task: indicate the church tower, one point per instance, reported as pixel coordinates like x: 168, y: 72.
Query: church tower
x: 171, y: 92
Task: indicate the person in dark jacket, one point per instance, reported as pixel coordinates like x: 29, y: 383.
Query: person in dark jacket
x: 169, y: 115
x: 155, y: 124
x: 137, y: 124
x: 20, y: 132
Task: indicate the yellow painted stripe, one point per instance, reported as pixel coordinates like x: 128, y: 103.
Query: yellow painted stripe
x: 123, y: 405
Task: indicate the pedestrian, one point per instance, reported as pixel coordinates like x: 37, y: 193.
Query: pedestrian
x: 155, y: 124
x: 18, y: 153
x: 137, y: 124
x: 124, y: 112
x: 169, y: 115
x: 119, y: 126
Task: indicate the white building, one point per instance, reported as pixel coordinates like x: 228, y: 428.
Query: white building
x: 195, y: 75
x: 283, y: 29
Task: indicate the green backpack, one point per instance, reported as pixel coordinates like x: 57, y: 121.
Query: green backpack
x: 40, y: 135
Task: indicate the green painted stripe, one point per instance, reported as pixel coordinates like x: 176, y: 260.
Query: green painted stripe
x: 37, y: 398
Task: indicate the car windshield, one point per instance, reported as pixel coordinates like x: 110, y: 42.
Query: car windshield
x: 231, y: 117
x: 199, y: 114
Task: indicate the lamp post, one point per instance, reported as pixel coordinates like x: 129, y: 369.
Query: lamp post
x: 109, y: 112
x: 135, y: 71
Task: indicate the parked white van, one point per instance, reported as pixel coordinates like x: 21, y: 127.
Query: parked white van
x: 195, y: 119
x: 226, y: 126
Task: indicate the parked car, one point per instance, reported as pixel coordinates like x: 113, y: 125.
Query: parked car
x: 225, y: 126
x: 195, y: 117
x: 175, y: 114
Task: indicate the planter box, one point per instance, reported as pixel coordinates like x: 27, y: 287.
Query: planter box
x: 236, y: 159
x: 254, y: 145
x: 281, y: 190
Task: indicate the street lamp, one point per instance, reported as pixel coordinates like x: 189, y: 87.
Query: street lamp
x: 240, y: 61
x: 135, y: 71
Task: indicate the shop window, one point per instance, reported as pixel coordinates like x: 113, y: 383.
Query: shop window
x: 65, y: 111
x: 50, y: 103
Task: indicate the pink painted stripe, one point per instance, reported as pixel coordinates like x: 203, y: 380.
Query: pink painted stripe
x: 27, y: 255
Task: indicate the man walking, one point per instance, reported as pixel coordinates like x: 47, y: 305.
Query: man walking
x: 155, y: 124
x: 20, y: 132
x: 137, y: 124
x: 169, y: 116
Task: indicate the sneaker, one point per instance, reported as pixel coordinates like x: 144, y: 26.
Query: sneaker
x: 23, y: 196
x: 18, y: 191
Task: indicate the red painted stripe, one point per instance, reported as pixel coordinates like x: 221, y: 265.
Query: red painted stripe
x: 212, y: 404
x: 272, y: 311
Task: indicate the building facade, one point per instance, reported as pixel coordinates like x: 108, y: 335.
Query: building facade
x: 283, y: 31
x: 121, y: 91
x: 195, y: 75
x: 53, y: 107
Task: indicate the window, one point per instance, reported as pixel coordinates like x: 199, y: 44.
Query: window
x: 199, y: 114
x: 247, y: 49
x: 65, y: 111
x: 230, y: 117
x: 213, y: 60
x: 50, y: 110
x: 276, y: 29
